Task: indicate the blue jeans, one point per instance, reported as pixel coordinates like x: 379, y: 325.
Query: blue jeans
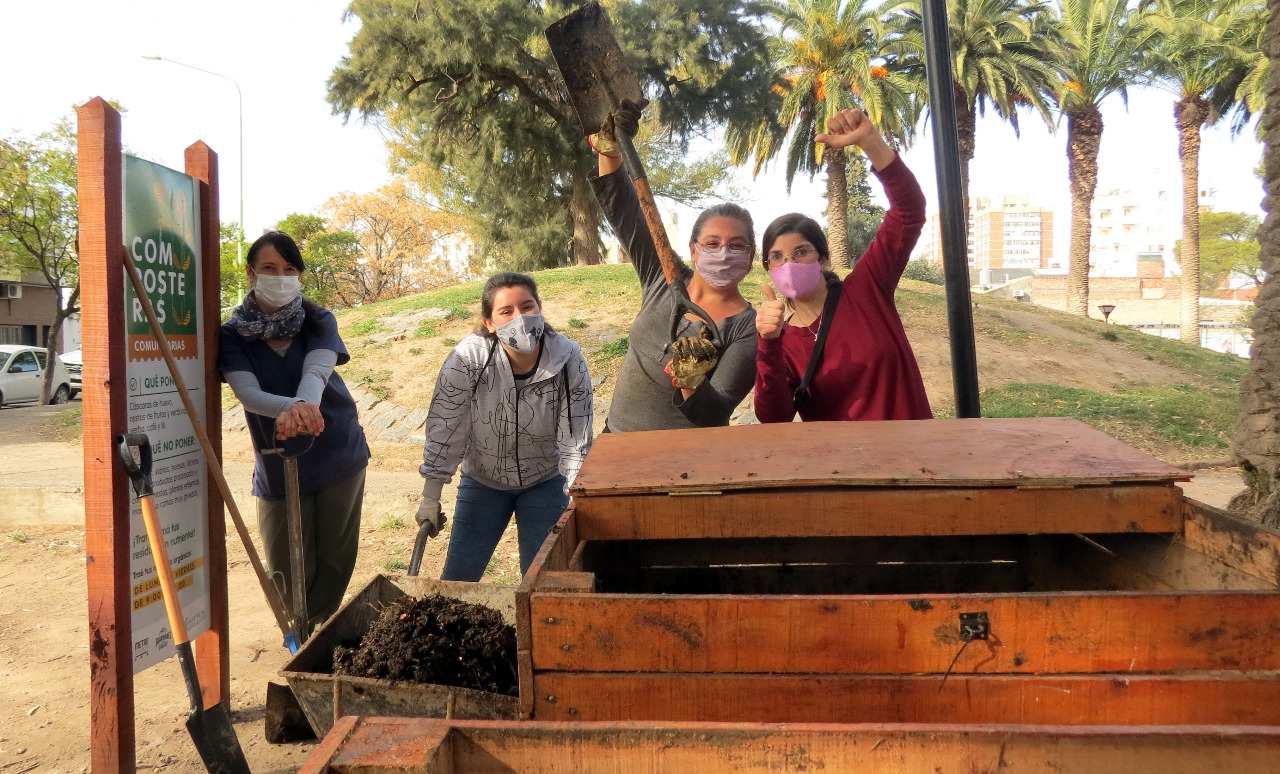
x: 482, y: 516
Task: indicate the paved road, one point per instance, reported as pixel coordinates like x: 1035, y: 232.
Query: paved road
x: 25, y: 423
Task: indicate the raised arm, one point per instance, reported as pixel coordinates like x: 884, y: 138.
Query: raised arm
x: 887, y: 256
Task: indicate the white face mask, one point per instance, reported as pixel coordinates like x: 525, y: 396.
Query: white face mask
x: 522, y: 334
x: 277, y: 290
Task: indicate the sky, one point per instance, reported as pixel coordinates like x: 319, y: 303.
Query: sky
x: 297, y: 154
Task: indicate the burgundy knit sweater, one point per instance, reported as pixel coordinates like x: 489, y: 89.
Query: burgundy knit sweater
x: 868, y: 370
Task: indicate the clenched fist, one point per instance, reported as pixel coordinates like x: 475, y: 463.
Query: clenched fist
x: 852, y: 127
x: 693, y: 357
x: 769, y: 315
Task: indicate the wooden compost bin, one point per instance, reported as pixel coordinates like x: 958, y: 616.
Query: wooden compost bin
x: 325, y: 697
x: 415, y: 746
x: 986, y: 571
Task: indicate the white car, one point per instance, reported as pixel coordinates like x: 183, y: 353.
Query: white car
x: 22, y: 375
x: 74, y: 361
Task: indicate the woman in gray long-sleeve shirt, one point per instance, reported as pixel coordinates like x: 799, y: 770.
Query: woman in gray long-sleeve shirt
x: 647, y: 396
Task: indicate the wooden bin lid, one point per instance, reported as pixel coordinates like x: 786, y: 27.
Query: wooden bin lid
x: 1040, y: 451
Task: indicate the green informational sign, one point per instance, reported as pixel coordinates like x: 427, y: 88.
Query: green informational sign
x: 162, y: 235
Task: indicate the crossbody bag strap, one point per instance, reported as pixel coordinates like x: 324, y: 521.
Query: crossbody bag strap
x: 801, y: 396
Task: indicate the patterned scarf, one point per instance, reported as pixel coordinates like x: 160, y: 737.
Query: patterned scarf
x: 252, y: 323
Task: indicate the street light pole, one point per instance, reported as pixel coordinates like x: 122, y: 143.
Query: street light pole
x: 240, y: 111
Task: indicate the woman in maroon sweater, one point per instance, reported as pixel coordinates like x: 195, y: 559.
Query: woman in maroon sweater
x: 867, y: 369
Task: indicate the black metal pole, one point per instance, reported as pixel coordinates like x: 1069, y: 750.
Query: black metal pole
x: 946, y: 156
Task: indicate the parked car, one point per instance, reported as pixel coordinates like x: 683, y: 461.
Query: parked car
x: 22, y: 375
x: 74, y: 361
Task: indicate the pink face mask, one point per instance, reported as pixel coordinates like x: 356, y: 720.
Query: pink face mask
x: 796, y: 280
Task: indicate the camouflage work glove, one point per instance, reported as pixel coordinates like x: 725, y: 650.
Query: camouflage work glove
x: 625, y: 119
x: 693, y: 357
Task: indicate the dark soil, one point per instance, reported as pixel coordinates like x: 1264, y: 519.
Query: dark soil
x: 436, y: 640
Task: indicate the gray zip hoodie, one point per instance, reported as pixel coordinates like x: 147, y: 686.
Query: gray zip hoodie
x: 507, y: 437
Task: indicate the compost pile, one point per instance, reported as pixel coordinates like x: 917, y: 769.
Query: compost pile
x: 436, y: 640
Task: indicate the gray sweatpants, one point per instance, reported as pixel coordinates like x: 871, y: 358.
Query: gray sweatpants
x: 330, y: 535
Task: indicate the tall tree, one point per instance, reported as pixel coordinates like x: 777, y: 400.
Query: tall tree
x: 38, y: 221
x: 1195, y: 51
x: 469, y: 89
x: 1101, y: 54
x: 1256, y: 440
x: 1228, y: 249
x: 831, y: 56
x: 405, y: 245
x: 1001, y: 56
x: 328, y: 254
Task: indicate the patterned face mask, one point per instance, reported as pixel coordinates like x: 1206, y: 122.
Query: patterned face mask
x: 522, y: 333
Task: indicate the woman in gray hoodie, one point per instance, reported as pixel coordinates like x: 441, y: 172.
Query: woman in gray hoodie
x: 513, y: 406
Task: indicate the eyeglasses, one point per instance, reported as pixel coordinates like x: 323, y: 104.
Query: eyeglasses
x: 734, y: 245
x: 802, y: 254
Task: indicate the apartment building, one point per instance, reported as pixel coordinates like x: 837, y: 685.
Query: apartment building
x: 1139, y: 222
x: 1005, y: 232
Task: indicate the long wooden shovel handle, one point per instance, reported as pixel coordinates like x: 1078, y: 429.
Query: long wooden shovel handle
x: 648, y: 206
x: 274, y: 600
x: 658, y: 232
x: 164, y: 571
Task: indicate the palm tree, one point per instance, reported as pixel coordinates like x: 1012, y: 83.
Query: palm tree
x: 830, y: 57
x: 1000, y: 56
x: 1100, y: 54
x: 1195, y: 52
x: 1244, y: 91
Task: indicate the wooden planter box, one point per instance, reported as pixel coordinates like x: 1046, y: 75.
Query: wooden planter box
x: 1026, y: 571
x: 412, y: 746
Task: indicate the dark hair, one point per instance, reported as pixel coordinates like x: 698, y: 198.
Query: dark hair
x: 502, y: 281
x: 795, y: 223
x: 283, y: 243
x: 288, y: 249
x: 725, y: 210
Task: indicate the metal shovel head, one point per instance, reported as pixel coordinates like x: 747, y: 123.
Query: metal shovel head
x: 591, y: 63
x: 216, y: 741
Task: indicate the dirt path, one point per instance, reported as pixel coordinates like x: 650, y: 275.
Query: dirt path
x: 44, y: 641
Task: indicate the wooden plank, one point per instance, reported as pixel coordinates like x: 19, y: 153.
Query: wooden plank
x: 1169, y: 563
x: 561, y: 541
x: 212, y: 648
x: 1110, y: 699
x: 1052, y: 633
x: 1038, y: 451
x: 480, y: 747
x: 1244, y: 545
x: 106, y: 494
x: 831, y: 512
x: 563, y: 580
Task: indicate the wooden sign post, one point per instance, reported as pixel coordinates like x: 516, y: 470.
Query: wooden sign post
x: 121, y: 577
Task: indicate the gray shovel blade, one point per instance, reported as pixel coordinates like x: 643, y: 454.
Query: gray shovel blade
x: 591, y: 63
x: 216, y: 741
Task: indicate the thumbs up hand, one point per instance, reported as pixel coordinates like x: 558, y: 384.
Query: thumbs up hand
x: 769, y: 315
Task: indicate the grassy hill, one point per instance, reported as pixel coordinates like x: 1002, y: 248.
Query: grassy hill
x: 1170, y: 399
